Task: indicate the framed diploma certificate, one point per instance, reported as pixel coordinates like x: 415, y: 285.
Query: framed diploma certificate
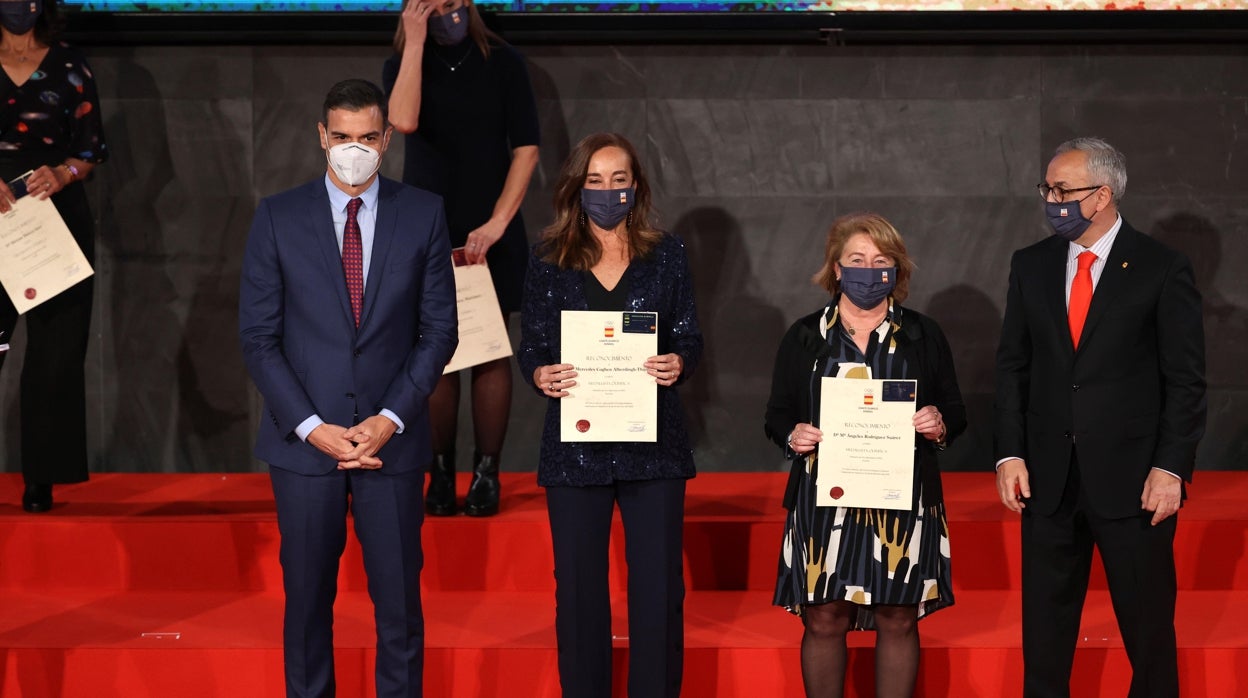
x: 482, y: 330
x: 38, y: 255
x: 614, y: 399
x: 866, y: 458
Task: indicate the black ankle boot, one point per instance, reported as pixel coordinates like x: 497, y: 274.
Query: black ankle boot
x: 482, y: 497
x: 440, y: 499
x: 37, y: 498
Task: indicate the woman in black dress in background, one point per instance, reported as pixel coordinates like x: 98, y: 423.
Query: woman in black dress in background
x: 462, y: 96
x: 50, y: 126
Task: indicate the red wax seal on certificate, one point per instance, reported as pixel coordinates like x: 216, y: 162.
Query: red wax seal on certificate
x: 30, y: 294
x: 582, y: 425
x: 837, y: 493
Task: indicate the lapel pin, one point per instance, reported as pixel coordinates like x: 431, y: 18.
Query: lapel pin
x: 1124, y: 265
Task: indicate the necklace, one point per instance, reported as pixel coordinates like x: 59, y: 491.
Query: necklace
x: 854, y: 330
x: 458, y: 62
x: 21, y: 56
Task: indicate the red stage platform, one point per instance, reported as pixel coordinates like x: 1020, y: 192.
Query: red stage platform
x: 169, y: 585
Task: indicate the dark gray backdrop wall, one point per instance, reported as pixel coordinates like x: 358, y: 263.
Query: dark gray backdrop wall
x: 753, y: 150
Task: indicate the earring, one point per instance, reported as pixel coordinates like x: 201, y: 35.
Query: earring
x: 581, y: 219
x: 629, y: 221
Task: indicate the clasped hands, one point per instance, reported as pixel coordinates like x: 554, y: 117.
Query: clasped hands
x: 354, y: 448
x: 555, y: 379
x: 927, y: 421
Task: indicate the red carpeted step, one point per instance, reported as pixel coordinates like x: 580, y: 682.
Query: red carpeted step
x: 219, y: 532
x: 217, y: 645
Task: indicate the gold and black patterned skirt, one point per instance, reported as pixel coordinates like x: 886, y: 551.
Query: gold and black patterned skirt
x: 866, y: 556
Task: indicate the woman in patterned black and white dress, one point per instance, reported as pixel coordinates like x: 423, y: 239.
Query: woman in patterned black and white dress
x: 845, y: 568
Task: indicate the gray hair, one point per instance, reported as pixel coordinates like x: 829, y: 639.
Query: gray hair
x: 1106, y: 165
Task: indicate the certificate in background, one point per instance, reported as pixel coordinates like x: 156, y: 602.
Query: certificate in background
x: 614, y: 398
x: 482, y: 330
x: 866, y: 458
x: 38, y: 255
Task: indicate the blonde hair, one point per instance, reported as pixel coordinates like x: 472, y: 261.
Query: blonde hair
x: 885, y: 237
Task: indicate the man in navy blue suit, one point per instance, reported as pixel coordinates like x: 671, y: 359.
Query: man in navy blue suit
x: 347, y: 318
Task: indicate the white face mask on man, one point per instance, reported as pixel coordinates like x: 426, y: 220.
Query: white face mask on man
x: 354, y: 163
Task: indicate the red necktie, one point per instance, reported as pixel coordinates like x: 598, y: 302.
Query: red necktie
x: 353, y: 259
x: 1080, y: 296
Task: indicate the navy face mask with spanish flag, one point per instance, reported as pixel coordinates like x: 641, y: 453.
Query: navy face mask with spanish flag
x: 867, y: 287
x: 607, y: 207
x: 1067, y: 219
x: 20, y: 17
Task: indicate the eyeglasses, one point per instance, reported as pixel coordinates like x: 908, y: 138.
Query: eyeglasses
x: 1059, y: 194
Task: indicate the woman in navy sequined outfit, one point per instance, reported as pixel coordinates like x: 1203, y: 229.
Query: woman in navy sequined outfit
x: 603, y: 253
x: 50, y: 126
x: 848, y: 568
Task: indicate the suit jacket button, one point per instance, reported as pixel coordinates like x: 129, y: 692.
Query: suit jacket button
x: 357, y: 352
x: 1075, y: 387
x: 1066, y: 434
x: 351, y: 396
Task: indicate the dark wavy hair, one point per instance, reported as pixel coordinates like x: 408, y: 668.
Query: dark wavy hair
x: 568, y: 242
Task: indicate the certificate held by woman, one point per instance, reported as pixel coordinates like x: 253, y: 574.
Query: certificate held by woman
x: 615, y: 399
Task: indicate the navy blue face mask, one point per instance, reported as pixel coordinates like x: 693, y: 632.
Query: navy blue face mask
x: 607, y: 208
x: 867, y: 287
x: 449, y: 29
x: 1067, y: 219
x: 20, y: 17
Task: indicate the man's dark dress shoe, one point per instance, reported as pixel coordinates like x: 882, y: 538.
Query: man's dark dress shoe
x: 37, y: 498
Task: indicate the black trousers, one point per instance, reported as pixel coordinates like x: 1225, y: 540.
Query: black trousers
x: 1139, y: 566
x: 53, y: 386
x: 580, y: 524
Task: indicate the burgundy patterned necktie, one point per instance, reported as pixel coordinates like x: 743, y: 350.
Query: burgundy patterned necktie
x: 353, y: 259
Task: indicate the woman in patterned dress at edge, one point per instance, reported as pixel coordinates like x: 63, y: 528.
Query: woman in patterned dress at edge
x: 603, y: 253
x: 463, y: 97
x: 842, y: 568
x: 50, y: 126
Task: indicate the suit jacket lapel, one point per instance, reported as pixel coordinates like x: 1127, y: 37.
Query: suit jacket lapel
x: 1114, y: 278
x: 1054, y: 279
x: 321, y: 223
x: 383, y: 236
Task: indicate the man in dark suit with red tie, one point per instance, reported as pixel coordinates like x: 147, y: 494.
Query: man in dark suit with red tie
x: 1100, y: 403
x: 347, y: 318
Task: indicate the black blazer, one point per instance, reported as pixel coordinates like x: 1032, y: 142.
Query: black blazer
x: 1131, y: 398
x: 804, y: 352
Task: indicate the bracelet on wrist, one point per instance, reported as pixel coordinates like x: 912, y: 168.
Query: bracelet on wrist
x: 73, y: 171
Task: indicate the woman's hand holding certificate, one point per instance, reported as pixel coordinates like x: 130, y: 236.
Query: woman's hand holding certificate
x: 615, y: 395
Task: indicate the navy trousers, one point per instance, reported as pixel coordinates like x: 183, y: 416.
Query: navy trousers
x: 580, y: 524
x: 311, y: 514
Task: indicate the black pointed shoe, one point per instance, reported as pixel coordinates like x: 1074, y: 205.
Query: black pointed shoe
x: 37, y: 498
x: 440, y: 498
x: 482, y: 499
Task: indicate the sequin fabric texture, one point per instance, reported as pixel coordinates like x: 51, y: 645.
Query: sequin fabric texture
x: 659, y: 283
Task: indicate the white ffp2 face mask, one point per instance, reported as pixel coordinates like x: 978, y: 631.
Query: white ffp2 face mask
x: 354, y: 163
